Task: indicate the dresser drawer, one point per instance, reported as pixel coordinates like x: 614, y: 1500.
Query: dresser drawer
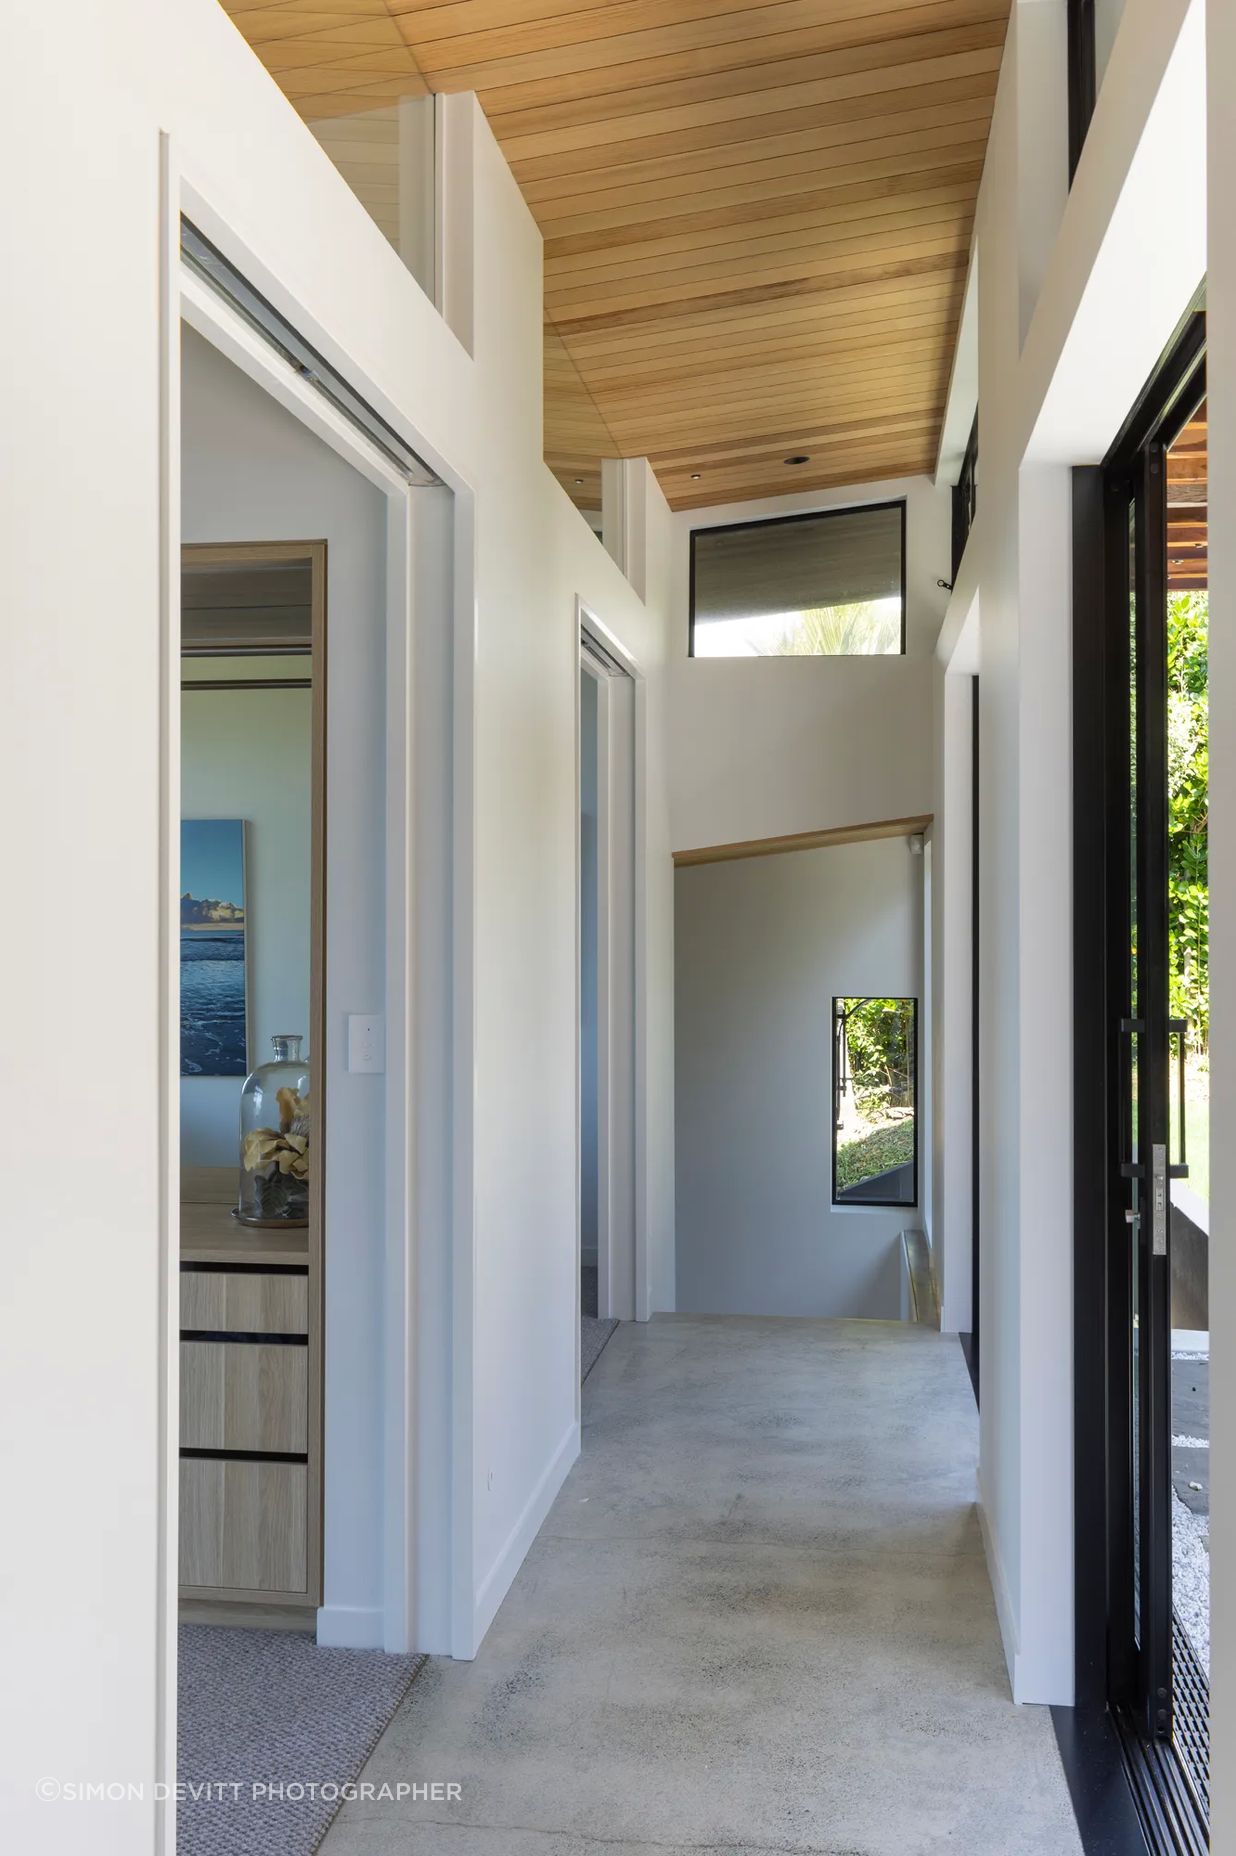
x: 243, y: 1302
x: 244, y: 1395
x: 243, y: 1526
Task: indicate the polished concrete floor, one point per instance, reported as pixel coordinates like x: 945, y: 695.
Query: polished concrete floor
x: 757, y: 1619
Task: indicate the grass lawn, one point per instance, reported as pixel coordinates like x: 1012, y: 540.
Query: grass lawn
x: 889, y: 1145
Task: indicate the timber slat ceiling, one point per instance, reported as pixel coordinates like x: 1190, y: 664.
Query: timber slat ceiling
x: 1188, y: 507
x: 757, y: 213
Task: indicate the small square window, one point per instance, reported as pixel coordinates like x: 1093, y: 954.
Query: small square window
x: 875, y: 1102
x: 829, y: 584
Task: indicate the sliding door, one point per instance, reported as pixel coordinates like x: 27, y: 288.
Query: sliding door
x: 1151, y: 1215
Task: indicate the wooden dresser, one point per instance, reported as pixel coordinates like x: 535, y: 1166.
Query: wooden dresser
x: 250, y: 1405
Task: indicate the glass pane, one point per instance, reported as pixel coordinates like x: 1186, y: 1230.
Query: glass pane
x: 576, y: 435
x: 387, y: 158
x: 1189, y: 982
x: 875, y: 1050
x: 827, y: 585
x: 1131, y: 1101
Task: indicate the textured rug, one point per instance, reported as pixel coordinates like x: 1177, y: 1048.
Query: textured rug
x: 271, y: 1727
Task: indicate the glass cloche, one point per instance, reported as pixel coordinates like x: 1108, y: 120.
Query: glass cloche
x: 274, y: 1139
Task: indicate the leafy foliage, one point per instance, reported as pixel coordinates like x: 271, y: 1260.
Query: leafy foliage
x: 1188, y: 787
x: 879, y: 1035
x: 859, y: 629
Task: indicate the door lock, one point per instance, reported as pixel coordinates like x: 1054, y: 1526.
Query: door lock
x: 1158, y: 1199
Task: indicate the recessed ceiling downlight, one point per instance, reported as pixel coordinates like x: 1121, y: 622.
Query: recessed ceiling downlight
x: 799, y: 457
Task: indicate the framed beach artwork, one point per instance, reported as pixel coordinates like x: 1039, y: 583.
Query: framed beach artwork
x: 214, y: 1019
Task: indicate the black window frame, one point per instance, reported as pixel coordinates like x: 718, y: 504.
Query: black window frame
x: 840, y: 1201
x: 806, y: 515
x: 965, y: 496
x: 1083, y: 77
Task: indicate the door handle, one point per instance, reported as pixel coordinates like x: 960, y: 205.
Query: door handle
x: 1158, y: 1199
x: 1179, y: 1028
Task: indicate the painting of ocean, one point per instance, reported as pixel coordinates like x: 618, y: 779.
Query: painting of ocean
x: 213, y: 992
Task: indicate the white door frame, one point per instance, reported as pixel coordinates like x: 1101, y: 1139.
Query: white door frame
x: 427, y: 1432
x: 622, y: 1286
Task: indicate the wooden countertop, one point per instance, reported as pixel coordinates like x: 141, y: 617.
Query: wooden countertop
x: 210, y: 1234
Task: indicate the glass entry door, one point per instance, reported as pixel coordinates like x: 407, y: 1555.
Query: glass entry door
x: 1157, y: 1012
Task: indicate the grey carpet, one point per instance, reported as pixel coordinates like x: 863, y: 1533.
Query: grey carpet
x: 593, y: 1334
x: 264, y: 1709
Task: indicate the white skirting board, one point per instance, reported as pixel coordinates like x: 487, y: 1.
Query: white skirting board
x: 350, y: 1627
x: 497, y: 1581
x: 1000, y: 1591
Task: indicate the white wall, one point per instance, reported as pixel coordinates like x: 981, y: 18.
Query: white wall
x: 763, y: 945
x: 760, y: 747
x: 1097, y: 284
x: 1221, y: 384
x: 88, y: 684
x: 246, y: 754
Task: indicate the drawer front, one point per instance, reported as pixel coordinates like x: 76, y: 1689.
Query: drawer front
x: 243, y: 1526
x: 243, y: 1395
x: 242, y: 1302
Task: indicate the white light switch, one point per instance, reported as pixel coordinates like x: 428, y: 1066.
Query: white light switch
x: 366, y: 1043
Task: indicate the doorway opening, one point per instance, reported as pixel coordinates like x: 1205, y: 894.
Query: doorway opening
x: 1142, y: 1089
x: 252, y: 949
x: 608, y: 1195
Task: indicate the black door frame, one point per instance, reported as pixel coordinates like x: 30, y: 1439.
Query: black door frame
x: 1108, y: 1688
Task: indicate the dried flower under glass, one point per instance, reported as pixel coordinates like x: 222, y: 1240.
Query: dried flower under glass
x: 275, y: 1139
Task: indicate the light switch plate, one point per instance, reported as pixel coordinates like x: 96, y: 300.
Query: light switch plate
x: 366, y: 1043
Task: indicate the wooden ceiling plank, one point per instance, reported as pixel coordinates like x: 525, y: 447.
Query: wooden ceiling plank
x: 838, y: 154
x: 301, y: 59
x: 834, y: 140
x: 747, y: 321
x: 774, y: 230
x: 668, y: 295
x: 765, y: 294
x: 732, y: 423
x: 272, y: 25
x: 767, y: 112
x: 855, y: 473
x: 633, y: 392
x: 684, y: 432
x: 839, y: 434
x: 784, y: 82
x: 889, y: 325
x: 588, y: 74
x: 762, y: 385
x: 757, y: 212
x: 254, y: 18
x: 740, y: 490
x: 873, y: 179
x: 935, y: 229
x: 762, y: 138
x: 747, y: 327
x: 507, y: 29
x: 839, y: 316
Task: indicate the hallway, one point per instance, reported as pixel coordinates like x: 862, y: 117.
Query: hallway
x: 757, y: 1618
